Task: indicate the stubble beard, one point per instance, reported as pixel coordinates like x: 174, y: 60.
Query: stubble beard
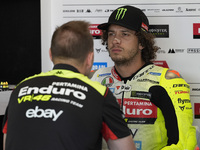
x: 124, y: 61
x: 121, y: 61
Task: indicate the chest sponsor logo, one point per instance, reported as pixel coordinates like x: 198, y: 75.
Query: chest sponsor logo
x: 140, y: 94
x: 107, y: 81
x: 155, y: 73
x: 122, y: 88
x: 148, y: 80
x: 103, y: 75
x: 41, y: 113
x: 139, y: 111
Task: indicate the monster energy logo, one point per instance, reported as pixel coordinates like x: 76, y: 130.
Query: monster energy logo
x: 120, y: 13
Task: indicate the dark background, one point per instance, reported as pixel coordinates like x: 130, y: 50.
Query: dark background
x: 20, y: 42
x: 20, y: 39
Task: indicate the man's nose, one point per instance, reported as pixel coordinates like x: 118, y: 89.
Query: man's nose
x: 117, y: 40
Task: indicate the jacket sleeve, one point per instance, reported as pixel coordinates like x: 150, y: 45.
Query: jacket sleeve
x: 5, y: 120
x: 179, y: 93
x: 114, y: 126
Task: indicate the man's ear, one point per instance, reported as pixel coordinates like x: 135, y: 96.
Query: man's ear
x: 141, y: 47
x: 90, y: 59
x: 87, y: 65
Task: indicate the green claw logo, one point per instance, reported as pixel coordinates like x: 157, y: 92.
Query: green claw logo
x: 120, y: 13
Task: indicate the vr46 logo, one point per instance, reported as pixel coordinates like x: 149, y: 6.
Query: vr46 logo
x: 36, y: 98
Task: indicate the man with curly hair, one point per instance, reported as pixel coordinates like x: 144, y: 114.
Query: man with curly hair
x: 155, y: 100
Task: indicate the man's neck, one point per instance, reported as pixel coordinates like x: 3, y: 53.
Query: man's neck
x: 129, y: 69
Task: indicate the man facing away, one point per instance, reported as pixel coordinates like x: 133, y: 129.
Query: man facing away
x: 155, y: 100
x: 62, y: 109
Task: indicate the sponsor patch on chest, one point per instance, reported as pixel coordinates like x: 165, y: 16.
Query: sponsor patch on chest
x: 139, y: 111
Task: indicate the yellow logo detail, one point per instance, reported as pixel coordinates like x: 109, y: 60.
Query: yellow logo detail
x: 30, y: 98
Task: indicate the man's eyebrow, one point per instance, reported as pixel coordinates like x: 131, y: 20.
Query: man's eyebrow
x: 126, y: 31
x: 110, y: 30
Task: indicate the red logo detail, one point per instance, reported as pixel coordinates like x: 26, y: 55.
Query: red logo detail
x: 197, y: 110
x: 137, y: 108
x: 196, y: 28
x: 119, y: 101
x: 181, y: 92
x: 161, y: 63
x: 114, y: 73
x: 145, y: 26
x: 118, y: 87
x: 94, y: 30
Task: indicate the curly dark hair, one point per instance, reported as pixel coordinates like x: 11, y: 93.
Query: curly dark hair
x: 147, y: 40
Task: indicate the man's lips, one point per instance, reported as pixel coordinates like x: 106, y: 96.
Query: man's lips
x: 116, y: 50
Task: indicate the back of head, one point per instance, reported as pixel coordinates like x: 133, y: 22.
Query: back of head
x: 72, y: 40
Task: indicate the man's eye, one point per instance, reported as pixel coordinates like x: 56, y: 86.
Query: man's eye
x: 125, y: 34
x: 110, y: 34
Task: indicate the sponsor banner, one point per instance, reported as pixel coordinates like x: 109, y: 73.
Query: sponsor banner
x: 177, y: 50
x: 98, y: 65
x: 193, y: 50
x: 96, y: 33
x: 194, y: 89
x: 197, y: 110
x: 196, y: 30
x: 100, y: 50
x: 160, y: 31
x: 102, y: 10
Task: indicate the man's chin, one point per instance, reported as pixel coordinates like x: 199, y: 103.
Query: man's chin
x: 120, y: 62
x: 116, y: 58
